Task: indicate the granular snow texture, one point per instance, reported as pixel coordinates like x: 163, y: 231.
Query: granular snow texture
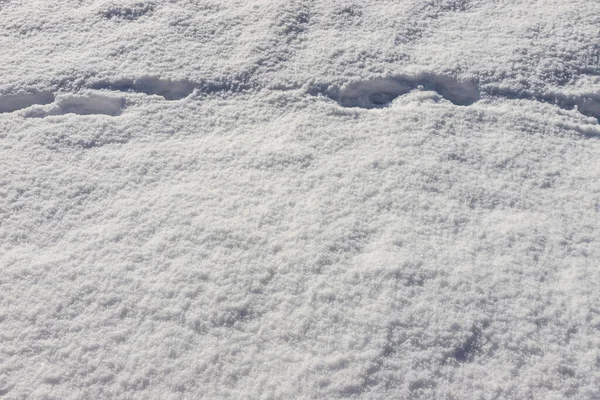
x: 299, y: 199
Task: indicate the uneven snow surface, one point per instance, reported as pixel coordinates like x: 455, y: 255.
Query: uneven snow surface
x: 261, y: 199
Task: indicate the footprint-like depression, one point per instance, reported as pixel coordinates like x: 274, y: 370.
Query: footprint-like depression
x: 379, y: 93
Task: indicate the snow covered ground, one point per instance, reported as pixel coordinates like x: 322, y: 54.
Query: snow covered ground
x: 299, y: 199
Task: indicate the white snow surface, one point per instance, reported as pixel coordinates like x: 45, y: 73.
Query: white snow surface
x: 289, y: 199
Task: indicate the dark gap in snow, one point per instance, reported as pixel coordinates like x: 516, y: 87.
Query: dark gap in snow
x: 14, y: 102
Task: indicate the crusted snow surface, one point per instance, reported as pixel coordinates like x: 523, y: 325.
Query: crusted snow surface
x: 299, y: 199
